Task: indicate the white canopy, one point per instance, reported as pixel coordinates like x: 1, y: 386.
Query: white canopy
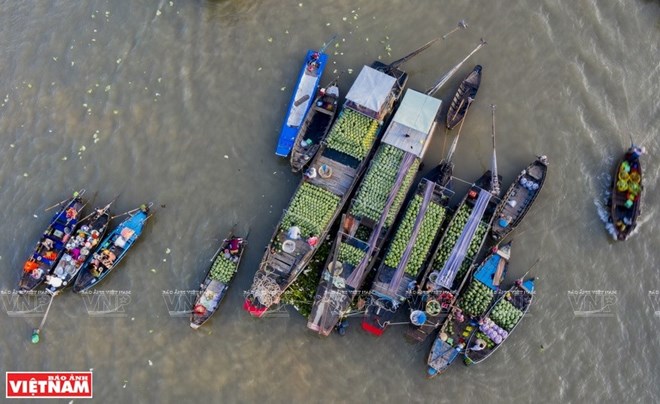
x: 412, y: 124
x: 371, y: 89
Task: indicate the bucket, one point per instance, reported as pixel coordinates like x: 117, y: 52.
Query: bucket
x: 418, y: 317
x: 289, y: 246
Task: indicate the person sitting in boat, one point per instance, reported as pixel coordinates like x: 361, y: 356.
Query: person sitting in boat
x: 47, y: 244
x: 234, y: 245
x: 313, y: 62
x: 71, y: 213
x: 294, y: 232
x: 504, y: 221
x: 310, y: 173
x: 312, y: 240
x: 479, y: 345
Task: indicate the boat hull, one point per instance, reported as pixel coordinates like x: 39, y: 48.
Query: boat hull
x: 306, y: 86
x: 626, y: 202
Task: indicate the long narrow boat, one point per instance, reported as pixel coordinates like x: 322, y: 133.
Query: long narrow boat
x: 500, y: 321
x: 626, y: 197
x: 370, y: 216
x: 463, y: 319
x: 314, y: 128
x: 466, y: 93
x: 519, y: 198
x: 112, y: 250
x: 338, y: 165
x: 218, y: 278
x: 52, y: 243
x: 409, y: 250
x: 301, y: 100
x: 91, y: 231
x: 452, y: 261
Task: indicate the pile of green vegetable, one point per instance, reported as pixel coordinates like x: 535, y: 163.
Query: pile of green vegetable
x: 311, y: 209
x: 301, y: 292
x: 349, y: 254
x: 428, y: 230
x: 353, y: 134
x: 377, y: 184
x: 505, y: 315
x: 223, y: 269
x: 473, y: 249
x: 476, y: 299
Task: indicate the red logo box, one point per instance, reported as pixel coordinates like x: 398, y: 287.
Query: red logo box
x: 48, y: 384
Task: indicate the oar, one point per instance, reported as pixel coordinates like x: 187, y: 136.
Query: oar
x: 133, y: 210
x: 450, y: 73
x: 325, y: 46
x: 231, y: 232
x: 35, y: 333
x: 461, y: 25
x: 75, y: 195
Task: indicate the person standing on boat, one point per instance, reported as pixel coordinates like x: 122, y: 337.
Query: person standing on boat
x: 294, y: 232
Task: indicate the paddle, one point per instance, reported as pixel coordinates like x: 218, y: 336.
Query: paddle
x: 461, y: 25
x: 325, y: 46
x: 75, y: 195
x: 36, y: 331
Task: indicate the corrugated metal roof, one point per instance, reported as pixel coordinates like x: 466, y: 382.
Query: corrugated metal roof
x: 411, y: 126
x: 371, y: 89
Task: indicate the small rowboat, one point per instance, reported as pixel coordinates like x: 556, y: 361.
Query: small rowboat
x: 301, y: 101
x: 501, y: 319
x: 91, y: 231
x: 626, y: 199
x: 218, y: 278
x: 314, y: 129
x: 49, y: 249
x: 519, y: 198
x: 466, y: 93
x: 112, y: 250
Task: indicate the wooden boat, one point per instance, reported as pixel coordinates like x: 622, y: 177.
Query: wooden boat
x: 338, y: 167
x: 463, y: 318
x: 465, y: 95
x: 112, y: 250
x: 301, y: 100
x: 314, y: 128
x: 461, y: 243
x: 52, y: 243
x: 87, y: 237
x: 519, y: 198
x: 218, y: 278
x: 515, y: 301
x: 371, y: 214
x: 626, y: 198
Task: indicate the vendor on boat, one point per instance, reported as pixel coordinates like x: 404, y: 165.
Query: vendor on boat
x: 312, y: 240
x: 504, y: 221
x: 294, y: 232
x: 479, y: 345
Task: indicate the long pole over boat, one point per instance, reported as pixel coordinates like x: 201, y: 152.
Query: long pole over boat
x: 450, y: 73
x: 397, y: 63
x: 494, y: 181
x: 325, y: 46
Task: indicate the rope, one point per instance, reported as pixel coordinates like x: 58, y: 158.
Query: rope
x: 265, y: 290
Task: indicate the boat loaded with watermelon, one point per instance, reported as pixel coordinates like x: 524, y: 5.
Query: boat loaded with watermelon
x: 212, y: 290
x: 463, y: 319
x: 367, y: 223
x: 302, y: 98
x: 337, y: 168
x: 500, y: 321
x: 626, y: 197
x: 452, y: 261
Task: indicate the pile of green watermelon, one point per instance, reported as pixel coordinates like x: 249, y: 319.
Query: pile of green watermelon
x: 353, y: 134
x: 377, y: 184
x: 505, y: 315
x: 476, y: 299
x: 223, y: 269
x: 349, y: 254
x: 311, y: 209
x: 433, y: 218
x: 452, y: 235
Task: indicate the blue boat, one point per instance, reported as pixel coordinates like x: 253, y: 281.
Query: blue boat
x: 51, y: 245
x: 111, y: 251
x: 302, y: 99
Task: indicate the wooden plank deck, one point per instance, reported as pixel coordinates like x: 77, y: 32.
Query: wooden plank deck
x: 341, y: 179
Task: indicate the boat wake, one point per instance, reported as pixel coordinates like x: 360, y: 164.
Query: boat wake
x: 601, y: 204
